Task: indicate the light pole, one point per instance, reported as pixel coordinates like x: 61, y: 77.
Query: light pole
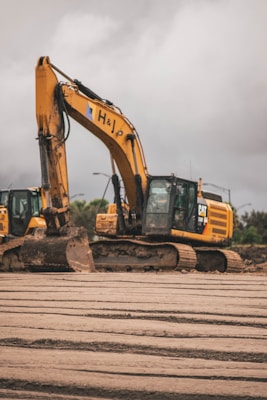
x: 221, y: 188
x: 106, y: 188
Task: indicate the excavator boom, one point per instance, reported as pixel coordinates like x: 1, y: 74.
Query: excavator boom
x: 101, y: 118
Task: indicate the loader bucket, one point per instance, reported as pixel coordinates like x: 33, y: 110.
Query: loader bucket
x: 68, y: 252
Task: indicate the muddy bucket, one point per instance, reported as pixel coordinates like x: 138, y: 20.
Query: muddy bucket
x: 68, y: 252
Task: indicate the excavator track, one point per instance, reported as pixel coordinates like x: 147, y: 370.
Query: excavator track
x: 72, y: 253
x: 10, y: 255
x: 217, y: 259
x: 126, y: 255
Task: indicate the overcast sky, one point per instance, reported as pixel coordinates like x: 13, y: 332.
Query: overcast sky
x: 191, y: 75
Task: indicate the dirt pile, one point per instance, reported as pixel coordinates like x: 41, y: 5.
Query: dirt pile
x: 254, y: 257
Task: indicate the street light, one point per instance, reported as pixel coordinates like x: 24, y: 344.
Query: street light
x: 221, y: 188
x: 243, y: 205
x: 101, y: 173
x: 76, y: 195
x: 109, y: 178
x: 106, y: 188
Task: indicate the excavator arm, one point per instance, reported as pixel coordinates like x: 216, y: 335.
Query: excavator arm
x: 51, y: 137
x: 98, y: 116
x: 61, y: 246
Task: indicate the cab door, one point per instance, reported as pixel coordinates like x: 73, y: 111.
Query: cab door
x: 185, y: 206
x: 19, y: 211
x: 157, y: 216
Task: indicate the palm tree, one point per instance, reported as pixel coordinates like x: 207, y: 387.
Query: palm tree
x: 84, y: 214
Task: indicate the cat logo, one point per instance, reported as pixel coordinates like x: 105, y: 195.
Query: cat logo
x: 202, y: 214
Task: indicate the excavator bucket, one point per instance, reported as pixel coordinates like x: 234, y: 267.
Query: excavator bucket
x: 69, y: 252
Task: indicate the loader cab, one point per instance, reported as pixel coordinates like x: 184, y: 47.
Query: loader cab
x: 171, y: 204
x: 19, y: 206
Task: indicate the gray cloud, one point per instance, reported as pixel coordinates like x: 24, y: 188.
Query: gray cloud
x: 191, y: 77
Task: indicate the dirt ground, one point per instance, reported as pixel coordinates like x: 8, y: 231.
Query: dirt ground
x: 134, y: 335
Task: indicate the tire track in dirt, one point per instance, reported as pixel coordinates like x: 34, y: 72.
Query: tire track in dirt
x: 38, y: 390
x: 50, y: 326
x: 167, y: 318
x: 146, y: 350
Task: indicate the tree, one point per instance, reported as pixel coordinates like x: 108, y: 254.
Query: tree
x: 251, y: 236
x: 258, y: 219
x: 251, y: 228
x: 84, y: 214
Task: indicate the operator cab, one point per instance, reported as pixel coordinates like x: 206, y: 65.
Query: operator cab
x: 21, y: 206
x: 171, y: 203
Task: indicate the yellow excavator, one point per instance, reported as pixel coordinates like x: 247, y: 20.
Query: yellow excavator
x: 35, y: 228
x: 163, y: 223
x: 19, y: 216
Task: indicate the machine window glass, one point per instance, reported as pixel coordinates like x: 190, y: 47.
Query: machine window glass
x: 20, y: 204
x: 192, y: 195
x: 191, y: 198
x: 19, y: 213
x: 158, y: 204
x: 159, y: 197
x: 184, y: 206
x: 36, y: 204
x: 180, y: 206
x: 4, y: 198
